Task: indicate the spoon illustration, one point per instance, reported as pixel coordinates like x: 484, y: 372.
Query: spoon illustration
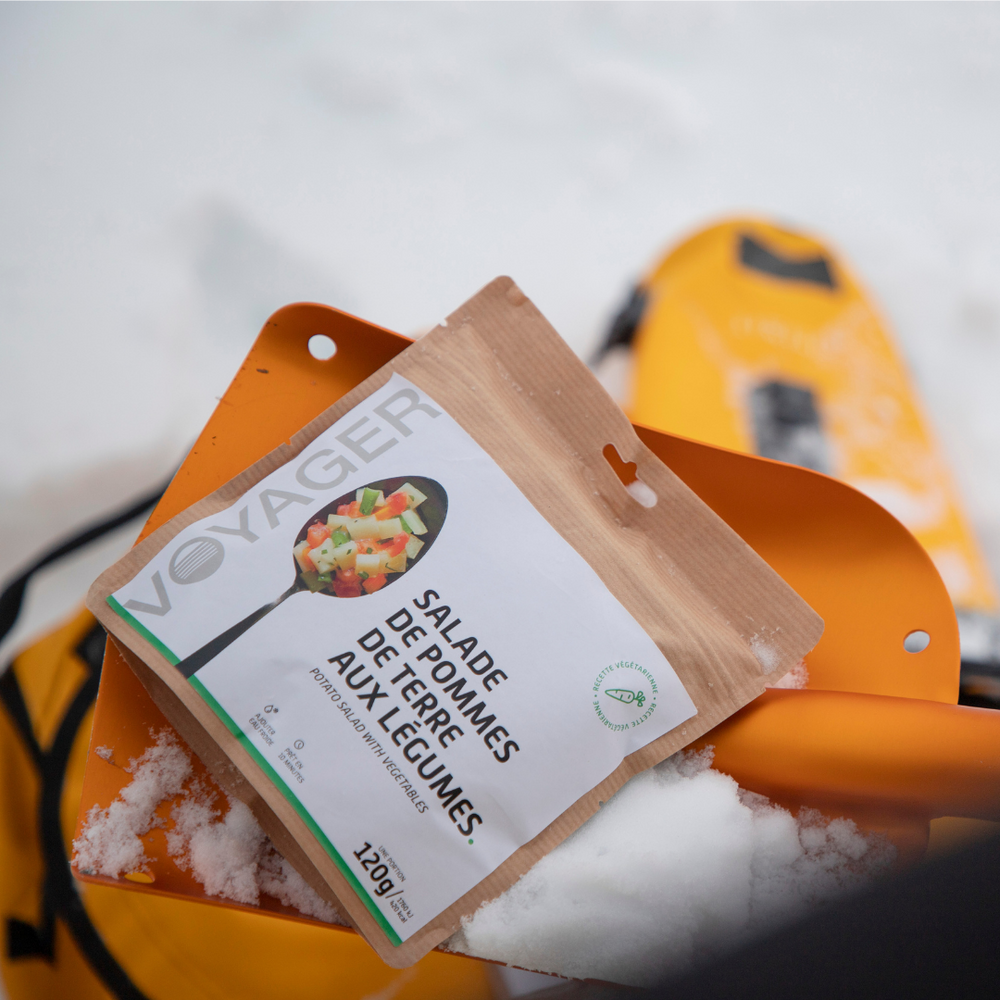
x: 427, y: 499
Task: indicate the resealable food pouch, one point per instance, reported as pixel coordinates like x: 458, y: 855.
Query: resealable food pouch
x: 426, y: 638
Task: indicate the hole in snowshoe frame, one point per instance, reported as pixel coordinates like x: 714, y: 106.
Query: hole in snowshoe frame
x: 322, y: 347
x: 629, y: 478
x: 916, y: 641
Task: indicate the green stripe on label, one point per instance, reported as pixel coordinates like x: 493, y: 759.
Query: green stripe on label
x: 300, y: 809
x: 143, y: 631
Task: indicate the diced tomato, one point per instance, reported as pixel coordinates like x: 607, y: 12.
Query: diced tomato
x: 368, y: 545
x: 344, y: 510
x: 346, y: 583
x: 374, y: 583
x: 395, y: 504
x: 396, y: 544
x: 317, y: 534
x: 307, y: 563
x: 354, y: 508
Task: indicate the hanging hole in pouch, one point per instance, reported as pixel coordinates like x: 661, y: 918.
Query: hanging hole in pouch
x: 916, y: 641
x: 322, y: 347
x: 628, y: 474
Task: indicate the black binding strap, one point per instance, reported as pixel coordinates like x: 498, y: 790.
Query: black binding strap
x: 625, y: 324
x: 13, y: 593
x: 815, y: 270
x: 60, y: 897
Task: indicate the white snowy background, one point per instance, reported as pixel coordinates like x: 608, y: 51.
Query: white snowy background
x: 170, y: 175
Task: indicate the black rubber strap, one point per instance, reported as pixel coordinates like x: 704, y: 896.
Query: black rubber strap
x: 13, y: 593
x: 625, y: 324
x: 815, y: 270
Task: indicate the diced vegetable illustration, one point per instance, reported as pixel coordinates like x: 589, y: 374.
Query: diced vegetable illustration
x: 352, y: 548
x: 365, y: 543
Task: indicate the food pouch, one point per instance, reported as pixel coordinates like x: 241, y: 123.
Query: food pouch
x: 429, y: 636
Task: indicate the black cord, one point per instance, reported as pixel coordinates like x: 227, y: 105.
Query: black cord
x: 13, y: 593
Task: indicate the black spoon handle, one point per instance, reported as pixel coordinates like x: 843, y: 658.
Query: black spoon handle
x: 191, y: 664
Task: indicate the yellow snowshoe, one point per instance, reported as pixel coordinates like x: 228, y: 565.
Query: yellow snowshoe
x: 759, y: 339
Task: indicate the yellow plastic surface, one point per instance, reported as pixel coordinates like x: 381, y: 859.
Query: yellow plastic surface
x: 713, y: 329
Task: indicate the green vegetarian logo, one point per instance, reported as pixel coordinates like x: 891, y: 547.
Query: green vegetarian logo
x: 625, y: 696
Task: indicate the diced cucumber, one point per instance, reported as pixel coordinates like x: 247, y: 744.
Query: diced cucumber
x: 370, y: 564
x: 343, y: 555
x: 416, y: 497
x: 375, y: 496
x: 413, y: 523
x: 396, y: 564
x: 389, y: 527
x: 324, y: 578
x: 299, y: 552
x: 413, y: 546
x: 363, y: 527
x: 340, y: 537
x: 311, y: 580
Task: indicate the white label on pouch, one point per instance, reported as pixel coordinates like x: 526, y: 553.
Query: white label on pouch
x: 431, y: 676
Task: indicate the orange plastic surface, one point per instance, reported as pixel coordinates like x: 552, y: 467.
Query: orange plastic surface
x: 852, y: 561
x: 858, y: 567
x: 904, y: 756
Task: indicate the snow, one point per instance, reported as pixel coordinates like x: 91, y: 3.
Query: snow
x: 679, y: 865
x: 109, y: 843
x: 232, y: 857
x: 174, y: 173
x: 227, y: 852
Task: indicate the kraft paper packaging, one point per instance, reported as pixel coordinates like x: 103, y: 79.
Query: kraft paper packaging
x: 428, y: 636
